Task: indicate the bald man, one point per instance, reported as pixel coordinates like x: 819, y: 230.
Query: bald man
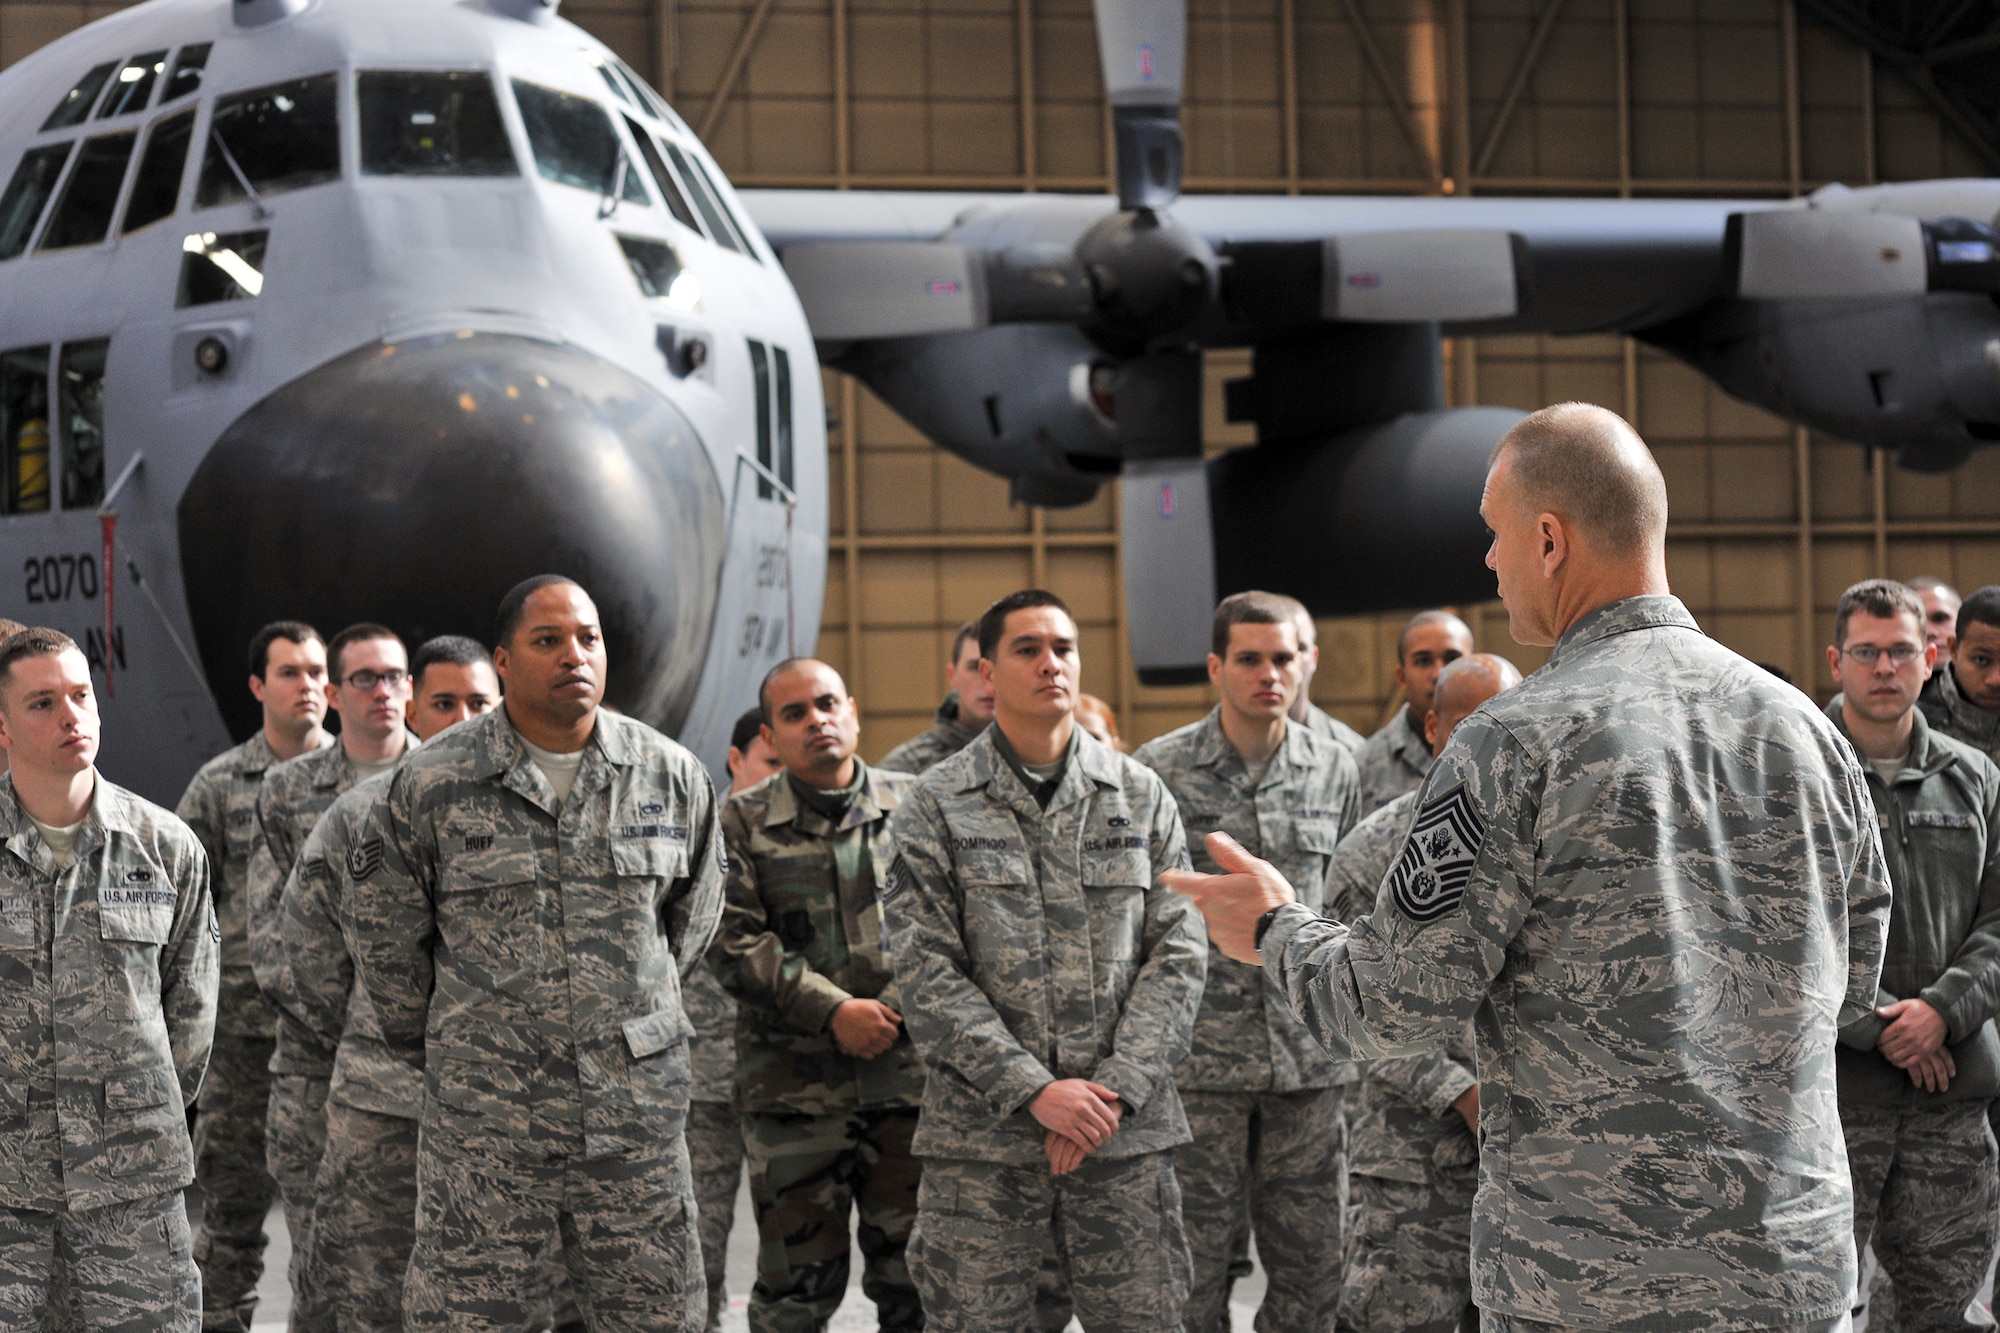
x: 1397, y: 757
x: 1413, y: 1133
x: 1653, y: 873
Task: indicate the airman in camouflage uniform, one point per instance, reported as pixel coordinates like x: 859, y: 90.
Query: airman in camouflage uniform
x: 965, y: 712
x: 1039, y: 964
x: 1263, y: 1101
x: 108, y: 976
x: 526, y: 950
x: 1396, y: 758
x: 1653, y: 871
x: 1918, y: 1074
x: 289, y: 804
x: 288, y: 670
x: 801, y: 937
x: 1947, y: 703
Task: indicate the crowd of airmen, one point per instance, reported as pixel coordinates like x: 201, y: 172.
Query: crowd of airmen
x: 1643, y: 994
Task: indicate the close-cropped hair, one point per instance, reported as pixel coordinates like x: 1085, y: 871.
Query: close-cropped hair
x: 292, y: 631
x: 33, y: 642
x: 450, y: 650
x: 1885, y: 599
x: 514, y: 605
x: 1982, y: 608
x: 993, y: 623
x: 1587, y: 465
x: 1246, y: 608
x: 363, y: 632
x: 967, y: 633
x: 747, y: 728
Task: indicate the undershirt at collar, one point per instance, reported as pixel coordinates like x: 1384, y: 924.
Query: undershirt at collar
x: 559, y: 769
x: 61, y: 841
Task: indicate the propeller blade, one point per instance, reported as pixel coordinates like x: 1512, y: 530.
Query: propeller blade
x: 1169, y: 564
x: 1143, y: 47
x: 855, y: 290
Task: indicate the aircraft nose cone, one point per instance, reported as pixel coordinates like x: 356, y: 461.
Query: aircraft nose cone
x: 413, y: 483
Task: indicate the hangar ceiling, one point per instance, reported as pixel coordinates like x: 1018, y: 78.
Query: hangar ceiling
x: 1947, y: 50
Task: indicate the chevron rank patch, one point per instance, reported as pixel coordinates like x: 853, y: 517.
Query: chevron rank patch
x: 365, y: 859
x: 1429, y: 877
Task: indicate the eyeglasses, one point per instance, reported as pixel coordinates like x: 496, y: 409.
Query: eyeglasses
x: 368, y: 680
x: 1868, y: 654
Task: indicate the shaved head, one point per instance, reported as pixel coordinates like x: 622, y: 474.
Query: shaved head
x: 1588, y: 467
x: 1424, y: 620
x: 1461, y: 688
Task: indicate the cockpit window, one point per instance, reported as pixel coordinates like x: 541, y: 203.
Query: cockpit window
x: 669, y: 188
x: 24, y: 429
x: 83, y: 215
x: 188, y: 66
x: 654, y: 264
x: 575, y: 144
x: 157, y: 191
x: 80, y: 397
x: 34, y: 180
x: 432, y: 124
x: 76, y: 103
x: 229, y: 267
x: 133, y: 87
x: 649, y: 97
x: 720, y: 224
x: 267, y: 140
x: 618, y: 89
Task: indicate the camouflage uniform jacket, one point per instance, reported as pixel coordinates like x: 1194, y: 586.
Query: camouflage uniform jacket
x: 802, y: 931
x: 220, y: 805
x: 528, y: 955
x: 1363, y: 858
x: 293, y: 796
x: 1653, y: 871
x: 323, y: 908
x: 108, y: 974
x: 1246, y: 1038
x: 1940, y: 824
x: 927, y: 749
x: 1033, y: 944
x: 1322, y: 723
x: 1393, y: 761
x: 1950, y: 712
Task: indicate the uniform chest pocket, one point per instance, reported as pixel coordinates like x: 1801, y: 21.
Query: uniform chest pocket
x: 649, y: 858
x: 1318, y: 837
x: 476, y: 862
x: 17, y: 922
x: 1003, y: 863
x: 135, y: 905
x: 1114, y: 890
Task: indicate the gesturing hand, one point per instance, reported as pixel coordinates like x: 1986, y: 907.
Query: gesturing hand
x: 864, y: 1028
x: 1083, y: 1112
x: 1233, y: 901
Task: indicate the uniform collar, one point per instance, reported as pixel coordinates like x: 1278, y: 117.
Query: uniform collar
x: 1404, y: 742
x: 1928, y: 756
x: 502, y: 754
x: 110, y: 811
x: 1655, y: 611
x: 256, y: 755
x: 1213, y: 749
x: 874, y: 801
x: 1091, y: 765
x: 1966, y: 716
x: 947, y: 717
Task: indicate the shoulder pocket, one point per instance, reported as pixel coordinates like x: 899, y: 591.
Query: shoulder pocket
x: 482, y: 861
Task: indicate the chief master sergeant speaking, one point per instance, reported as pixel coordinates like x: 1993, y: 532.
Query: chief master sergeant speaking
x: 1653, y: 871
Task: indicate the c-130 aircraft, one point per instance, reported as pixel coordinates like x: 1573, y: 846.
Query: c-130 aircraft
x: 366, y: 309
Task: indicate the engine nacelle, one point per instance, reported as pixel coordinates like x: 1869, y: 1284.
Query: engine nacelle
x: 1918, y: 375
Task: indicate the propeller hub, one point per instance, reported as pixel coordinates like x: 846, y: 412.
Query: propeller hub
x: 1149, y: 278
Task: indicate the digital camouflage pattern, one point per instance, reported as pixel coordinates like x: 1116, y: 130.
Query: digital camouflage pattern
x: 294, y: 1142
x: 1322, y: 723
x: 712, y: 1048
x: 1246, y: 1037
x: 1945, y: 707
x: 927, y: 749
x: 1362, y: 860
x: 1251, y: 1059
x: 364, y: 1221
x: 126, y: 1266
x: 1031, y: 945
x: 1275, y: 1159
x: 715, y: 1158
x: 1653, y: 871
x: 107, y: 1005
x: 1927, y: 1195
x: 220, y: 806
x: 801, y: 932
x: 807, y: 1173
x: 528, y: 955
x: 1393, y: 761
x: 1406, y: 1264
x: 1116, y: 1221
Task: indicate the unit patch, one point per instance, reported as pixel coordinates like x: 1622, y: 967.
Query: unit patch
x: 365, y: 859
x: 1430, y: 876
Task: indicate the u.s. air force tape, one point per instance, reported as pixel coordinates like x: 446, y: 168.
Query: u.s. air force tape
x: 1430, y: 876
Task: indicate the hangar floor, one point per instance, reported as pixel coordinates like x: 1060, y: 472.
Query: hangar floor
x: 856, y: 1314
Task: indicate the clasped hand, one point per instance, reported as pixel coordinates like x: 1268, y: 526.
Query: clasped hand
x: 1080, y: 1117
x: 1914, y: 1043
x: 864, y: 1029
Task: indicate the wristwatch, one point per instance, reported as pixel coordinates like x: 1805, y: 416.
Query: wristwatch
x: 1264, y: 924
